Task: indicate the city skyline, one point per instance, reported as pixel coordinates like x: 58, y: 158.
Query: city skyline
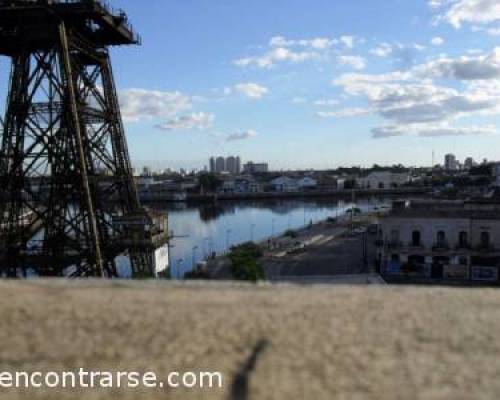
x: 310, y: 84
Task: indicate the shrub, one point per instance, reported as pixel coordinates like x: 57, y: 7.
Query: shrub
x: 244, y: 265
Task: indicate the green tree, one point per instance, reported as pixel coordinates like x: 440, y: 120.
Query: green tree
x: 209, y: 182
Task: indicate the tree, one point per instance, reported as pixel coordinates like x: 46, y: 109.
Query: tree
x: 244, y: 263
x: 209, y: 182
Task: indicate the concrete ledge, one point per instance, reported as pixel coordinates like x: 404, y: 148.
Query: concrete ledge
x: 321, y: 342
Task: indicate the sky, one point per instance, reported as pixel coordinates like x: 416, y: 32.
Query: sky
x: 311, y: 83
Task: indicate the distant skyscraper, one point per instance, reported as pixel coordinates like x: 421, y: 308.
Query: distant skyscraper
x: 469, y: 163
x: 220, y: 165
x: 238, y: 165
x: 212, y: 165
x: 450, y: 162
x: 232, y: 165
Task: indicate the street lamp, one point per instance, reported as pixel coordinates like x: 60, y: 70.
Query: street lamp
x: 205, y: 247
x: 228, y: 232
x: 179, y: 266
x: 210, y: 246
x: 272, y: 229
x: 194, y: 255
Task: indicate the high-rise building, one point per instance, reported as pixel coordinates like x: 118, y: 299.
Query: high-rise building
x: 450, y: 162
x: 231, y: 165
x: 252, y: 167
x: 220, y: 165
x: 238, y: 165
x: 469, y: 163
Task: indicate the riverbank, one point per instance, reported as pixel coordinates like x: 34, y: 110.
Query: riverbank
x: 334, y: 194
x: 312, y: 251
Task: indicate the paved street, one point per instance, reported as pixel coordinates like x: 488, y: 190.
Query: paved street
x: 341, y: 255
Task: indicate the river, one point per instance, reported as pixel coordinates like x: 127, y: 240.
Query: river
x: 199, y: 230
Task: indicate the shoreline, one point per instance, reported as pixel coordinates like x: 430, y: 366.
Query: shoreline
x: 341, y: 194
x: 284, y: 245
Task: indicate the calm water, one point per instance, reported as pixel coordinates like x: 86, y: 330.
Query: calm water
x: 200, y: 230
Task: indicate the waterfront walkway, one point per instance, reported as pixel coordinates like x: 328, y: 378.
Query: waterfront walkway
x: 314, y: 254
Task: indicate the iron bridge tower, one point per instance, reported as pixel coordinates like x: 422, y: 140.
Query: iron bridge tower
x: 68, y: 201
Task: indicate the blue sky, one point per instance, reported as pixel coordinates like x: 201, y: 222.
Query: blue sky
x: 311, y: 83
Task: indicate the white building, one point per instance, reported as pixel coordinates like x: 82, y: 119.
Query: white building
x: 383, y: 180
x: 450, y: 162
x: 247, y: 184
x: 307, y: 183
x: 442, y: 240
x: 284, y: 184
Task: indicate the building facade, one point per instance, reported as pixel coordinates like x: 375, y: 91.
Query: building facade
x: 220, y: 165
x: 230, y: 164
x: 449, y: 240
x: 284, y: 184
x: 307, y: 183
x: 233, y: 165
x: 450, y: 162
x: 252, y: 168
x: 383, y: 180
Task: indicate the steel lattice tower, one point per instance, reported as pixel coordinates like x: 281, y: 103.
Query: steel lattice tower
x: 68, y: 197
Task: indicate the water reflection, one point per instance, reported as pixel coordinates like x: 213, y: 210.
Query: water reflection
x: 202, y: 229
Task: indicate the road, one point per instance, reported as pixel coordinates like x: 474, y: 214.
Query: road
x: 336, y: 254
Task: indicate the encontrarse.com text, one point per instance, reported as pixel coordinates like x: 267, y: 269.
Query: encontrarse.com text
x: 109, y: 380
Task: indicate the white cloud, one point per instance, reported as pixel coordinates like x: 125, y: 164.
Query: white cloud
x: 140, y: 104
x: 275, y: 56
x: 241, y: 135
x: 298, y: 100
x: 348, y: 41
x: 457, y: 12
x: 466, y: 68
x: 282, y: 50
x: 411, y: 102
x: 252, y: 90
x: 198, y: 120
x: 356, y: 62
x: 326, y: 102
x: 383, y: 50
x: 427, y: 130
x: 345, y: 113
x: 319, y: 43
x: 493, y: 31
x: 437, y: 41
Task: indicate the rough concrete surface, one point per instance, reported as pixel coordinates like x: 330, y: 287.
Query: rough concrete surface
x: 271, y: 342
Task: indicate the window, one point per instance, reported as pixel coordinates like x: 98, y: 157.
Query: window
x: 441, y: 239
x: 463, y: 261
x: 485, y: 240
x: 416, y: 238
x: 463, y: 240
x: 395, y: 236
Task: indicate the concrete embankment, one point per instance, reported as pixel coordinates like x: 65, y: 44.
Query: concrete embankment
x: 341, y: 194
x: 319, y: 250
x: 316, y: 342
